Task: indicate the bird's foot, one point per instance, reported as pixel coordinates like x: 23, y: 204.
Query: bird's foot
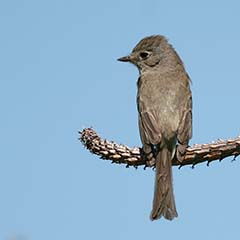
x: 148, y: 158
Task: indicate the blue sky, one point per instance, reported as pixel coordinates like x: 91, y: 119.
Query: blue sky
x: 59, y: 74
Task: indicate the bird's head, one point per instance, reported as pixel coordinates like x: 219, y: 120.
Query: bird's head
x: 147, y: 53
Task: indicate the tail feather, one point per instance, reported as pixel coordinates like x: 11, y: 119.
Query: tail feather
x: 163, y: 201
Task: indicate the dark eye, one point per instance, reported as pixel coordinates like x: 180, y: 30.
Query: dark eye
x: 144, y: 55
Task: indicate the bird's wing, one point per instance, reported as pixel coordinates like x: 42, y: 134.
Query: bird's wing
x: 185, y: 129
x: 149, y: 127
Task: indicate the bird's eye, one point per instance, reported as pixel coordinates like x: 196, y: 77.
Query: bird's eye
x: 144, y: 55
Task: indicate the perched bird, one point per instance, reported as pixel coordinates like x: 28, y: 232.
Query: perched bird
x: 164, y: 103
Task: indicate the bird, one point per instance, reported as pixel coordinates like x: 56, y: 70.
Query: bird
x: 164, y: 103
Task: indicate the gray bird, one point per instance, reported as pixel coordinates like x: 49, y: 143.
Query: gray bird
x: 164, y: 102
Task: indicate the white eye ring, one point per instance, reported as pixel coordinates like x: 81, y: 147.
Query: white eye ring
x: 144, y: 55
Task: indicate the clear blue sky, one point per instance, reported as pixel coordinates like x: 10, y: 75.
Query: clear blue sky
x: 59, y: 74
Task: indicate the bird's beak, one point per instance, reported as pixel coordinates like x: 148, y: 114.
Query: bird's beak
x: 125, y: 59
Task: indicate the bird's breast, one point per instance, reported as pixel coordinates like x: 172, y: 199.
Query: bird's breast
x: 159, y: 96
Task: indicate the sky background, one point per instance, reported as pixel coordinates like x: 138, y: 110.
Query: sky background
x: 59, y: 74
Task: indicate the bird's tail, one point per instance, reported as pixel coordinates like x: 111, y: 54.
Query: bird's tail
x: 163, y: 202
